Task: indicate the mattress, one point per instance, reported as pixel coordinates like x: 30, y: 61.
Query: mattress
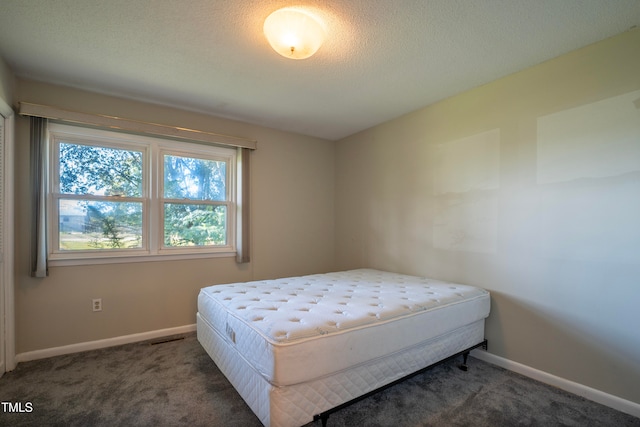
x: 303, y: 329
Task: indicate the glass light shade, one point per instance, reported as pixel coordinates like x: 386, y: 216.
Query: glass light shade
x: 293, y: 33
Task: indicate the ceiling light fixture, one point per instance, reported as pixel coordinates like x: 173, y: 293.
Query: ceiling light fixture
x: 294, y: 33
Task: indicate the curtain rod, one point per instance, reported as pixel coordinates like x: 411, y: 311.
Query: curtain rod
x: 112, y: 122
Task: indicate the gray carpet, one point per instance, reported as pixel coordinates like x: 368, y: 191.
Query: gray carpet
x: 176, y: 384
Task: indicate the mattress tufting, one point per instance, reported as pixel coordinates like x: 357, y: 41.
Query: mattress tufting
x: 357, y: 316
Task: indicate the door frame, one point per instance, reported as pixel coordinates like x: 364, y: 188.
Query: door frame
x: 7, y: 308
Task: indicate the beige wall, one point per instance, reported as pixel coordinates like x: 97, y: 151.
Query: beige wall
x: 529, y: 187
x: 292, y: 222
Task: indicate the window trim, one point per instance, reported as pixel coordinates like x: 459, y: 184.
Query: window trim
x: 153, y: 201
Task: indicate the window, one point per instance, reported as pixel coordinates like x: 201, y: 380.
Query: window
x: 116, y: 195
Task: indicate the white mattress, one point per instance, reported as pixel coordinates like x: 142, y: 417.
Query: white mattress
x: 302, y: 329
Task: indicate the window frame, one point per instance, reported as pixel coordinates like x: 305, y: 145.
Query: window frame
x: 153, y: 150
x: 229, y: 202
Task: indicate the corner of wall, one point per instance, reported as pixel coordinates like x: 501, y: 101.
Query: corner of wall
x: 7, y: 84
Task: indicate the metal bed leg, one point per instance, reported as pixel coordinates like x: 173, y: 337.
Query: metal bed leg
x: 465, y: 355
x: 464, y: 366
x: 324, y: 417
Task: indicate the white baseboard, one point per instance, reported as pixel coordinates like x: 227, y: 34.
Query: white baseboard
x: 598, y: 396
x: 109, y: 342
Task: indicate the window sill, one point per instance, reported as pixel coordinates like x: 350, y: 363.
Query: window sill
x: 68, y: 262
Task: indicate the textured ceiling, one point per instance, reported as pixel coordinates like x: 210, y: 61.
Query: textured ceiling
x: 383, y: 58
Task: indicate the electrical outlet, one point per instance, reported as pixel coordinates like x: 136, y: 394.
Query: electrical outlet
x: 97, y: 304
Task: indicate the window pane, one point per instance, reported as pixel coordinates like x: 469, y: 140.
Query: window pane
x: 85, y: 169
x: 94, y: 225
x: 195, y: 179
x: 194, y: 225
